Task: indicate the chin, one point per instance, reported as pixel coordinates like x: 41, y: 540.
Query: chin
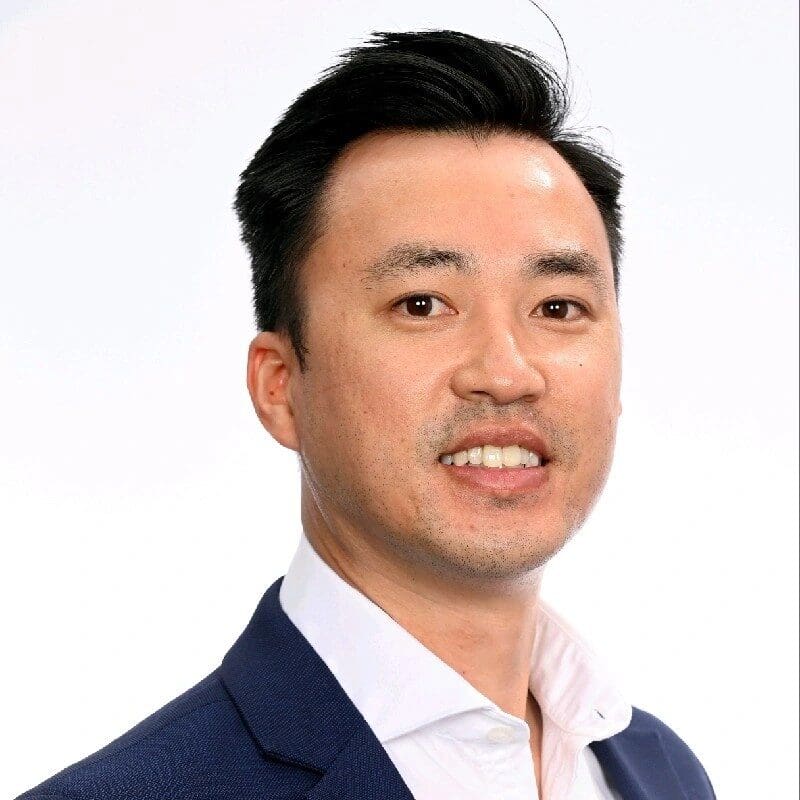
x: 479, y: 556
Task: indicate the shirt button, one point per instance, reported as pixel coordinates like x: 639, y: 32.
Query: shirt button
x: 500, y: 734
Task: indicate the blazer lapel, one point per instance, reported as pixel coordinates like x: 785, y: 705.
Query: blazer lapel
x: 299, y: 713
x: 361, y: 771
x: 638, y: 766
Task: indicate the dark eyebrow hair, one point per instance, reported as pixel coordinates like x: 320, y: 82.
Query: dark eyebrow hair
x: 410, y: 258
x: 404, y: 259
x: 579, y: 263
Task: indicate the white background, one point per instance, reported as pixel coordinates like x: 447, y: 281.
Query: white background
x: 143, y: 508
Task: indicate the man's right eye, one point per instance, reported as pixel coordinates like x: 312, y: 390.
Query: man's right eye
x: 418, y: 305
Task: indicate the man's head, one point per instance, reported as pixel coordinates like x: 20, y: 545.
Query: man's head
x: 432, y: 253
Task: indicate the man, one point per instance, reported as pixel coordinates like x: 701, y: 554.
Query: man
x: 435, y: 269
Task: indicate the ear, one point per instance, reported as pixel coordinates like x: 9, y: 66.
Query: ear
x: 271, y: 367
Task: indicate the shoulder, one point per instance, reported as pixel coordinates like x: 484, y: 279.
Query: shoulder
x: 197, y: 744
x: 684, y: 762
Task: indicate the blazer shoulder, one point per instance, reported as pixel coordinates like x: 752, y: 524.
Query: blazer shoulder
x: 685, y: 763
x: 156, y: 755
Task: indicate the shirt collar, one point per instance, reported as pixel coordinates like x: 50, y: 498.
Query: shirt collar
x: 398, y: 685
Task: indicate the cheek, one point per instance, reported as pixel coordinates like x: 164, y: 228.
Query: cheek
x: 587, y: 378
x: 583, y: 389
x: 368, y: 396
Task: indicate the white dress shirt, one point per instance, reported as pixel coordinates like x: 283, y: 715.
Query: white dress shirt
x: 446, y: 739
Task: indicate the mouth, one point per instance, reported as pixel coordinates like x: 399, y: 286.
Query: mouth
x: 505, y: 480
x: 507, y: 461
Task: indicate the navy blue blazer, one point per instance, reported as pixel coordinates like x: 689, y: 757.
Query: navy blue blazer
x: 272, y: 723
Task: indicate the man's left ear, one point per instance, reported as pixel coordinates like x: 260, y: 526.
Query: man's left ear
x: 269, y: 367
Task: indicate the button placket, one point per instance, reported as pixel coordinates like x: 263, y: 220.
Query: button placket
x: 504, y: 753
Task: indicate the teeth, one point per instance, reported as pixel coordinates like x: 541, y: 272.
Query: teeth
x: 490, y: 455
x: 512, y: 456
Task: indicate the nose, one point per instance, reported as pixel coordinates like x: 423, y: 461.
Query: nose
x: 499, y: 361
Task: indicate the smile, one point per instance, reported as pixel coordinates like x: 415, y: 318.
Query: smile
x: 494, y: 457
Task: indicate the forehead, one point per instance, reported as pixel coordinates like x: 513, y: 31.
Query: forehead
x: 498, y: 197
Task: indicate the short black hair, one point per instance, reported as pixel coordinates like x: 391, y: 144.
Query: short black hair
x: 434, y: 80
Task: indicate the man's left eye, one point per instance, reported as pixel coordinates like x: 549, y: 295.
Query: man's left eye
x: 558, y: 308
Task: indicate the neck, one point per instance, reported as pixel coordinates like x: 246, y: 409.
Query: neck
x: 484, y: 634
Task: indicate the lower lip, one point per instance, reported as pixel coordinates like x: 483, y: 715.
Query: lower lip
x: 503, y: 480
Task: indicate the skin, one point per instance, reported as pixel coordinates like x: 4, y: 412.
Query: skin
x: 385, y: 392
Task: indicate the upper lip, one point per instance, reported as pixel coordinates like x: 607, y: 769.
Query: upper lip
x: 502, y: 436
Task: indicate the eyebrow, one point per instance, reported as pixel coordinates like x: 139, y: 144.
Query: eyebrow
x: 411, y: 259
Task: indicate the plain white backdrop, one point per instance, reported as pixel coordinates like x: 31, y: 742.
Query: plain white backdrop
x: 143, y: 508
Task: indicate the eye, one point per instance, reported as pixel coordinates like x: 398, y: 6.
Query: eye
x: 558, y: 308
x: 418, y: 305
